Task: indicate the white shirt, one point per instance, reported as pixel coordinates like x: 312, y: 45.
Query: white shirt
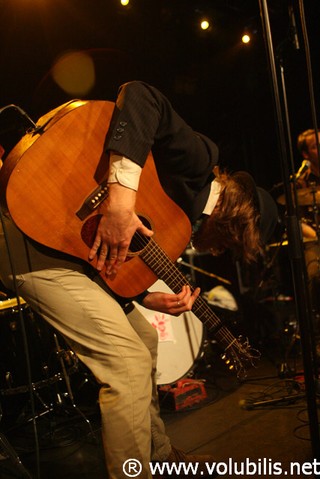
x: 124, y: 171
x: 127, y: 173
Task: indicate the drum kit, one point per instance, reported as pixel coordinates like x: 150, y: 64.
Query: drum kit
x: 309, y: 196
x: 32, y: 367
x: 33, y: 359
x: 308, y: 202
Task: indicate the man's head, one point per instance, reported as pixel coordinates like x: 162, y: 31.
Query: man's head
x: 242, y: 221
x: 307, y: 145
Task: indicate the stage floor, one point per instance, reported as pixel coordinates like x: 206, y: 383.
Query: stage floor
x: 228, y: 424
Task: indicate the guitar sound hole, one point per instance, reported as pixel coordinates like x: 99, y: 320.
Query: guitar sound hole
x: 139, y: 241
x: 89, y: 229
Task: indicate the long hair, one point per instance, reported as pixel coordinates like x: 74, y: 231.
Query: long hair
x: 233, y: 224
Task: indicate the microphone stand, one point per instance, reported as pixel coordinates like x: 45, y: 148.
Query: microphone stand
x: 202, y: 271
x: 295, y: 243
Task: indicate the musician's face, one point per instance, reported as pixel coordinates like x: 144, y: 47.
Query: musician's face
x: 312, y: 151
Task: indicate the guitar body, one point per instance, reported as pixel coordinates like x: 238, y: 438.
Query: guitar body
x: 52, y: 183
x: 53, y: 170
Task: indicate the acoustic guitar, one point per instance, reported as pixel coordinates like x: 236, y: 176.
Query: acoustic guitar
x: 53, y: 182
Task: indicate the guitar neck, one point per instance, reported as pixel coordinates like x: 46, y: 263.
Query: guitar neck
x: 157, y: 260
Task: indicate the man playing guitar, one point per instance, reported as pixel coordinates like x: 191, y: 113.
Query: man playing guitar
x: 71, y: 293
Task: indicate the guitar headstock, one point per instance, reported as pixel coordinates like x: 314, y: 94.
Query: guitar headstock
x: 239, y: 356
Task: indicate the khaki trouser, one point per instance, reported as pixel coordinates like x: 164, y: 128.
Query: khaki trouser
x: 120, y: 351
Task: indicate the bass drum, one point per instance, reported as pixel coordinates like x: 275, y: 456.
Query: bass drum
x: 180, y: 340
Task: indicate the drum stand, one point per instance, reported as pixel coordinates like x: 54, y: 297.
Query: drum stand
x: 63, y: 356
x: 10, y: 453
x: 47, y: 405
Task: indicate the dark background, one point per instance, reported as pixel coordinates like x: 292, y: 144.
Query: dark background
x: 221, y: 87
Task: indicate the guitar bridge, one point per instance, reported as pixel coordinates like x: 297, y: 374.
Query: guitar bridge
x: 93, y: 201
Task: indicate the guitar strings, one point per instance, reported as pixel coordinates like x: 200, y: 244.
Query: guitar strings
x: 153, y: 255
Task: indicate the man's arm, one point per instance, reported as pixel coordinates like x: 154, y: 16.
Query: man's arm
x: 119, y: 221
x: 169, y: 303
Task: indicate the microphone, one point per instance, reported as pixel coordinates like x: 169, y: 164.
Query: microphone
x: 20, y: 110
x: 249, y: 404
x: 305, y: 165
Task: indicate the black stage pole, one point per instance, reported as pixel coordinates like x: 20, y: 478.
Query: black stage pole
x: 295, y: 244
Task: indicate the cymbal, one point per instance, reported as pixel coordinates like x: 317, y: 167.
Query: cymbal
x: 306, y: 196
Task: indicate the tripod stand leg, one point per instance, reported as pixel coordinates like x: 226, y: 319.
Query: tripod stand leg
x: 66, y: 377
x: 9, y: 452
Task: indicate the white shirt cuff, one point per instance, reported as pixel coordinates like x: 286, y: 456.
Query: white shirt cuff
x: 213, y: 197
x: 124, y: 171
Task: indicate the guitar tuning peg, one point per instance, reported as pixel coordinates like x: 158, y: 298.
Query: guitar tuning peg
x: 223, y: 357
x: 231, y: 367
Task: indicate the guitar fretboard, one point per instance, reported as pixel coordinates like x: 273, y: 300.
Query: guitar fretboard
x: 158, y: 261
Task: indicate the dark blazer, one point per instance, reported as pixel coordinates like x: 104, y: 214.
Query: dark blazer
x: 144, y: 120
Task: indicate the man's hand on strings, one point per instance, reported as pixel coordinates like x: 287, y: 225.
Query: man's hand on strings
x: 174, y: 304
x: 116, y: 228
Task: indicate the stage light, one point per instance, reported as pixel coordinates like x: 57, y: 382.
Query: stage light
x: 249, y: 33
x: 204, y: 24
x: 124, y: 3
x: 246, y: 38
x: 74, y: 72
